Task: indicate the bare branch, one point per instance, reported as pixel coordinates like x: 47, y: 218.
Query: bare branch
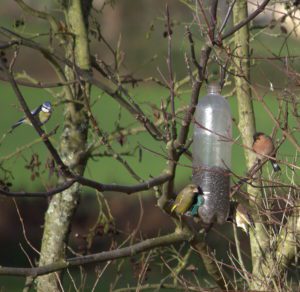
x: 125, y: 189
x: 171, y: 74
x: 229, y: 11
x: 245, y: 21
x: 99, y: 257
x: 40, y: 14
x: 289, y: 239
x: 39, y: 84
x: 65, y: 170
x: 130, y: 105
x: 44, y: 194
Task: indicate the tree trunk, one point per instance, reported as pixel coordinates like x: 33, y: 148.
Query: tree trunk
x: 72, y: 148
x: 259, y: 241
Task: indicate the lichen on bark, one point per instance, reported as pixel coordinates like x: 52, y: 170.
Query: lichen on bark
x: 72, y: 146
x: 259, y: 239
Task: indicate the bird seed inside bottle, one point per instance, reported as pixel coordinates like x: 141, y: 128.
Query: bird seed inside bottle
x: 215, y: 183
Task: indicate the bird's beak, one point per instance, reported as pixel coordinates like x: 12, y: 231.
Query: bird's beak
x: 195, y: 190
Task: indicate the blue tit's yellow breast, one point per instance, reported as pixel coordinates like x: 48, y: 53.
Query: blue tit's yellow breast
x: 44, y: 117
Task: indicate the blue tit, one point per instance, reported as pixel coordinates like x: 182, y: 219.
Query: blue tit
x: 41, y: 114
x: 263, y: 145
x: 188, y: 200
x: 240, y: 216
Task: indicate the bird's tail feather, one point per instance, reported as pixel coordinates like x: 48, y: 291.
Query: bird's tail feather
x: 276, y: 167
x: 18, y: 123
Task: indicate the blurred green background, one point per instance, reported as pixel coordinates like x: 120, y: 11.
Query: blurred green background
x: 145, y: 49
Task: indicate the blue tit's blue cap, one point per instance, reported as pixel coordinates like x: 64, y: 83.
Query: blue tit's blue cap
x: 46, y: 106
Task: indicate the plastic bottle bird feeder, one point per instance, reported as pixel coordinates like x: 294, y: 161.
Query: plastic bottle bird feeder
x: 212, y: 143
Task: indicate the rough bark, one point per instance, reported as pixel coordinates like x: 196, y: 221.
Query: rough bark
x: 258, y: 240
x: 72, y: 149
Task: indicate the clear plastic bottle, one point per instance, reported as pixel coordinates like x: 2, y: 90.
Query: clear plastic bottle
x: 212, y: 143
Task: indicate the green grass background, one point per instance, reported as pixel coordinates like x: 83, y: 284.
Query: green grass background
x: 106, y: 110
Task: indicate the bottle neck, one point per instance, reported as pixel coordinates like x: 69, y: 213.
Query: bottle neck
x: 213, y: 88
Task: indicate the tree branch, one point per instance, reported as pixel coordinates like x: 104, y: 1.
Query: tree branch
x: 64, y: 169
x: 245, y: 21
x: 125, y: 189
x: 130, y: 105
x: 49, y: 193
x: 40, y: 14
x: 39, y: 84
x: 288, y: 239
x: 128, y: 251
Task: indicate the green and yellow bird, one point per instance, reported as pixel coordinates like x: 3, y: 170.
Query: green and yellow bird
x: 188, y: 200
